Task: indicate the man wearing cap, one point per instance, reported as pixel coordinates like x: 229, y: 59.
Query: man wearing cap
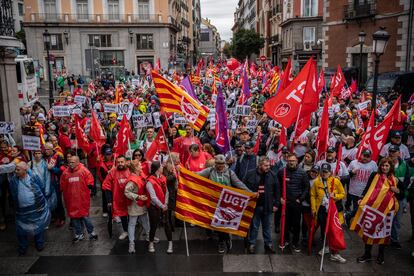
x: 246, y: 162
x: 342, y: 127
x: 342, y: 171
x: 220, y: 173
x: 234, y: 155
x: 359, y: 171
x: 326, y: 186
x: 403, y: 174
x: 396, y: 137
x: 263, y: 181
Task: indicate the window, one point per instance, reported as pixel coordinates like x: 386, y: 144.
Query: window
x: 309, y: 34
x: 143, y: 9
x: 113, y: 9
x: 111, y: 58
x: 204, y: 35
x: 144, y: 41
x: 82, y: 9
x: 50, y: 9
x: 309, y: 7
x: 56, y: 43
x: 100, y: 40
x: 20, y: 7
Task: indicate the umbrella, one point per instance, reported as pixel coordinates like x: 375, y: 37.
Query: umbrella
x: 283, y: 217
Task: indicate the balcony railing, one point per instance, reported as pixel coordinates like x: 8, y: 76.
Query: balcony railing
x: 6, y: 18
x: 358, y: 11
x: 94, y: 18
x: 309, y: 46
x: 174, y: 22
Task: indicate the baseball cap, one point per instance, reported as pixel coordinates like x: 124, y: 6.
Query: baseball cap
x: 285, y: 149
x: 238, y: 144
x: 325, y: 167
x: 397, y: 134
x: 331, y: 149
x: 249, y: 144
x: 394, y: 148
x: 220, y: 159
x: 315, y: 168
x: 107, y: 151
x: 366, y: 152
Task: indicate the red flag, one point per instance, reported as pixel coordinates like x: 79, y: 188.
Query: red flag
x: 284, y: 107
x: 122, y: 138
x: 159, y: 144
x: 81, y: 137
x: 321, y: 81
x: 333, y: 231
x: 253, y: 71
x: 323, y: 132
x: 365, y: 142
x: 338, y: 160
x: 303, y: 124
x: 257, y: 144
x: 287, y: 76
x: 96, y: 132
x: 338, y: 82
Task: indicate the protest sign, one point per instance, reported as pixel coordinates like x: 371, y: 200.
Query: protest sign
x: 125, y: 108
x: 251, y: 125
x: 156, y: 118
x: 179, y: 120
x: 6, y: 127
x: 242, y: 110
x: 76, y: 109
x: 62, y: 110
x: 80, y: 99
x: 142, y: 120
x: 110, y: 108
x: 363, y: 105
x: 31, y: 142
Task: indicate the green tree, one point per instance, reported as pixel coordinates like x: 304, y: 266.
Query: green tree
x: 245, y: 43
x: 227, y: 49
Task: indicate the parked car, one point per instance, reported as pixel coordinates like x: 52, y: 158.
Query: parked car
x: 400, y: 82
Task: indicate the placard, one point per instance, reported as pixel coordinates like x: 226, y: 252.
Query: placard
x: 80, y: 99
x: 142, y: 120
x: 125, y: 108
x: 242, y: 110
x: 363, y: 105
x: 251, y: 125
x: 62, y: 110
x: 179, y: 120
x: 156, y: 119
x: 110, y: 108
x: 31, y: 142
x: 6, y: 127
x: 76, y: 109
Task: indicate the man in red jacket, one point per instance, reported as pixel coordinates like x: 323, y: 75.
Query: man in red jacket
x: 74, y: 184
x: 114, y: 188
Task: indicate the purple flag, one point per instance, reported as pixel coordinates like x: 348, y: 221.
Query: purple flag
x: 186, y: 85
x: 222, y: 125
x: 245, y: 94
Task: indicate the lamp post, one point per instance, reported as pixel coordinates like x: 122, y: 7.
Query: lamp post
x: 379, y: 43
x: 46, y: 40
x: 361, y: 38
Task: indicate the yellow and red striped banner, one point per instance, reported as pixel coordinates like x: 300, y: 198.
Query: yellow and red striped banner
x: 373, y: 220
x: 205, y: 203
x: 174, y: 99
x: 274, y: 83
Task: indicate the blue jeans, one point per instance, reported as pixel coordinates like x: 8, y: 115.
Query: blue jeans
x: 260, y: 216
x: 77, y: 224
x: 23, y: 242
x: 396, y: 225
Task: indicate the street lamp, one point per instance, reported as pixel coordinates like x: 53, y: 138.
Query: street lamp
x: 379, y: 43
x: 361, y: 38
x: 46, y: 40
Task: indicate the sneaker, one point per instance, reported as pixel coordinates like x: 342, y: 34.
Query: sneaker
x: 380, y: 260
x: 222, y: 247
x: 78, y: 238
x: 105, y: 215
x: 326, y: 251
x: 269, y: 249
x: 296, y: 248
x: 337, y: 258
x: 229, y: 245
x: 151, y: 248
x: 170, y: 247
x: 396, y: 244
x: 93, y: 236
x: 131, y: 248
x: 364, y: 258
x: 252, y: 249
x: 156, y: 240
x: 123, y: 236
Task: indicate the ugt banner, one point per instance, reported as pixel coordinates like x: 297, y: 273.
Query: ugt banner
x: 205, y: 203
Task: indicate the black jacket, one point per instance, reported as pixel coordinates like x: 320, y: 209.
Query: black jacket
x: 245, y: 164
x: 297, y: 184
x: 271, y: 187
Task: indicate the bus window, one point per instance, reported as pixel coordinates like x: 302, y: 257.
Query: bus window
x: 29, y: 68
x: 18, y: 72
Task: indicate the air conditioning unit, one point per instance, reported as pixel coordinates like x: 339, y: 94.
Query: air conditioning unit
x: 307, y: 46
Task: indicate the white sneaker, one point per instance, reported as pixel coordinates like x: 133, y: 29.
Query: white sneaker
x: 105, y: 215
x: 151, y: 248
x: 123, y: 236
x: 337, y: 258
x: 131, y: 248
x: 326, y: 251
x: 156, y: 240
x: 170, y: 247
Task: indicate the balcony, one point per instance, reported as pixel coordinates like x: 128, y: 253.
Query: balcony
x: 175, y: 24
x: 94, y: 18
x: 310, y: 46
x: 360, y: 11
x: 185, y: 22
x: 6, y: 19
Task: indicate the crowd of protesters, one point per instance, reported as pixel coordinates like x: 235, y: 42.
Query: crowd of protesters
x: 53, y: 186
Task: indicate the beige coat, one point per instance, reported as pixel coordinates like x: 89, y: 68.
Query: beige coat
x: 131, y: 192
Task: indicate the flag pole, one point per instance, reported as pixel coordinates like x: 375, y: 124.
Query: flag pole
x: 323, y: 252
x: 292, y: 138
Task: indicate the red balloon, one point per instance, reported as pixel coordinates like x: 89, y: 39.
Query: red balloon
x: 232, y: 64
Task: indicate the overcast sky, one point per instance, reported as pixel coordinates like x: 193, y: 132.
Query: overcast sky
x: 221, y: 14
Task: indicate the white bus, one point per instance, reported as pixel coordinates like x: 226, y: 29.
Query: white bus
x: 26, y: 81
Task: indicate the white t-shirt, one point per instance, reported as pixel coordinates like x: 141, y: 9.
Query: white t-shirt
x: 404, y: 152
x: 358, y: 181
x: 349, y: 153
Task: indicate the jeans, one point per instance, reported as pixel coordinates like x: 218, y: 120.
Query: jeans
x: 155, y: 215
x: 352, y: 200
x: 59, y: 212
x: 77, y: 224
x: 260, y: 216
x: 124, y: 223
x: 292, y: 221
x: 143, y: 220
x: 396, y: 225
x: 23, y: 242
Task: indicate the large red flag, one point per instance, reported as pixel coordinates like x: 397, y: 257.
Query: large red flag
x: 81, y: 137
x: 96, y: 132
x: 338, y: 82
x: 323, y: 132
x: 321, y: 81
x: 284, y: 107
x: 365, y: 142
x: 159, y: 144
x: 333, y: 231
x: 123, y: 137
x: 287, y: 76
